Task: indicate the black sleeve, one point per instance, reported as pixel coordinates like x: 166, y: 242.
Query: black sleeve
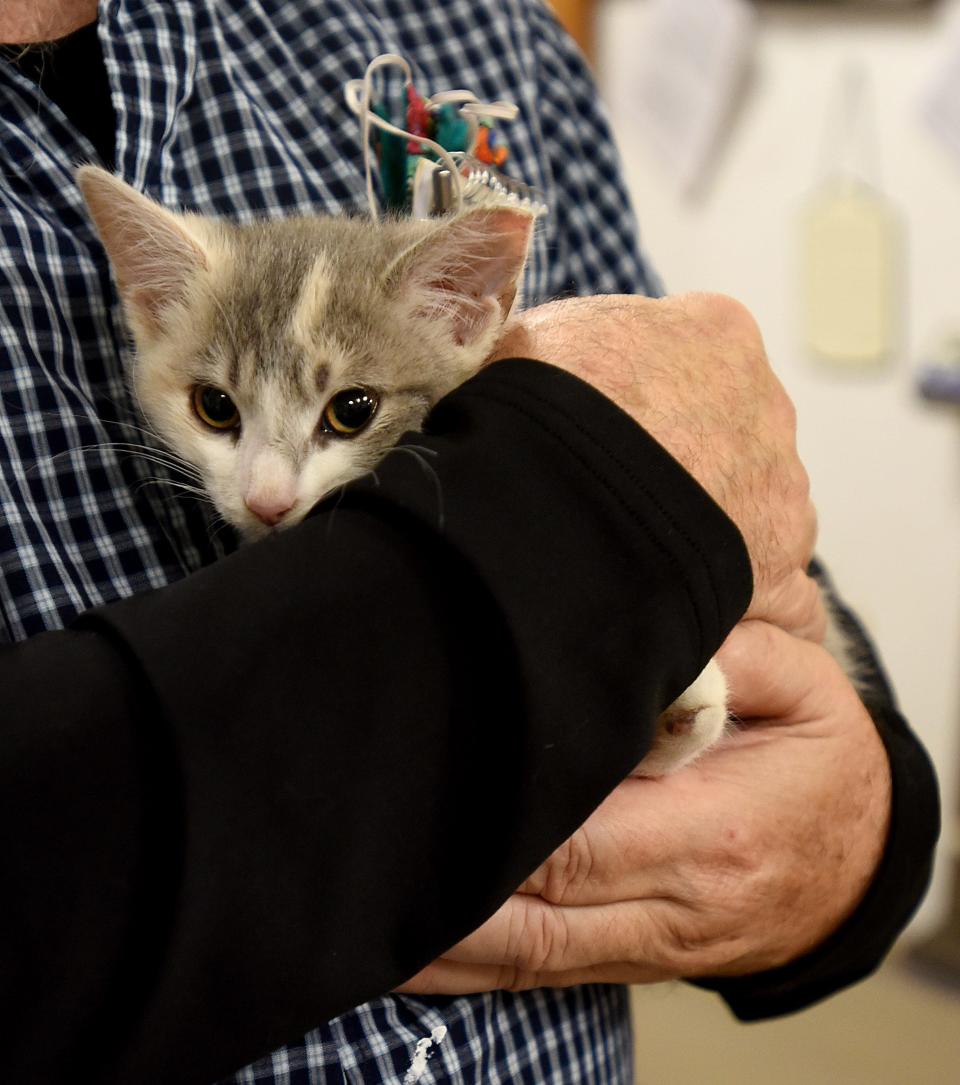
x: 238, y: 806
x: 860, y: 945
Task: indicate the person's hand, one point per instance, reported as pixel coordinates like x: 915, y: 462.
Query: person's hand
x: 740, y: 863
x: 693, y: 372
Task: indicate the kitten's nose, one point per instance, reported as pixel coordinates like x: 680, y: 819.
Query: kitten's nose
x: 271, y: 509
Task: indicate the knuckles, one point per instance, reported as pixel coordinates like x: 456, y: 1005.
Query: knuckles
x: 726, y: 318
x: 540, y: 940
x: 721, y: 927
x: 569, y: 868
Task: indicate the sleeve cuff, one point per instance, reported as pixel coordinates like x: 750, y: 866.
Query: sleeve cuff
x: 641, y: 484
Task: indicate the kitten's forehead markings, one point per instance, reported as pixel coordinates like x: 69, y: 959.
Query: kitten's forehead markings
x: 243, y: 367
x: 233, y: 370
x: 265, y: 288
x: 314, y: 296
x: 308, y: 317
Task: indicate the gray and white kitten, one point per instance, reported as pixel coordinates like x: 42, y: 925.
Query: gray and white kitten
x: 284, y: 359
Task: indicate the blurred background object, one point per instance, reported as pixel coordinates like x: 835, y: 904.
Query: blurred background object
x: 691, y: 63
x: 938, y: 379
x: 579, y: 18
x: 852, y: 247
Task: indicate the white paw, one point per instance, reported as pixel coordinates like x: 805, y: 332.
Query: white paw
x: 695, y: 721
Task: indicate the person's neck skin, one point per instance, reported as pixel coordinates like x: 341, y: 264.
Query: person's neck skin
x: 23, y: 21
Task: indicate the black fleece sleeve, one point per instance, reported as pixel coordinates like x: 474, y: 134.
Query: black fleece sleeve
x: 240, y: 805
x: 859, y: 947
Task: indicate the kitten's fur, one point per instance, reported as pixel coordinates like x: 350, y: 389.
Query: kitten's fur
x: 284, y: 315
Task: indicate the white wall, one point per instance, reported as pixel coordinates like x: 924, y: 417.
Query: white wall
x: 885, y: 467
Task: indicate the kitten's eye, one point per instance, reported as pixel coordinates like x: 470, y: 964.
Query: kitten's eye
x: 349, y: 411
x: 215, y: 408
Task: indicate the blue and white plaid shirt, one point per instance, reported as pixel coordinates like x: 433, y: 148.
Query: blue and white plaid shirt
x: 235, y: 107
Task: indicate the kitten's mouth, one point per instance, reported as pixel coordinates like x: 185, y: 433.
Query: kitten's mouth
x: 254, y: 527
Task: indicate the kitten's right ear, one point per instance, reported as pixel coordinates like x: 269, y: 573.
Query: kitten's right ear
x: 155, y: 260
x: 466, y: 273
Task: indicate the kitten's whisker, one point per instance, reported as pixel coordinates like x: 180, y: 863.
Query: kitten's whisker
x: 219, y: 525
x: 175, y: 497
x: 182, y: 488
x: 184, y: 467
x: 181, y: 467
x: 333, y: 511
x: 371, y: 473
x: 80, y: 416
x: 421, y: 448
x: 160, y: 457
x: 128, y: 446
x: 144, y: 430
x: 428, y: 469
x: 123, y: 446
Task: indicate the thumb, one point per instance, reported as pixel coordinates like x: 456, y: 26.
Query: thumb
x: 774, y: 675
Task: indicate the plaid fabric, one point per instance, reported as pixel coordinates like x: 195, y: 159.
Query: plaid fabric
x: 568, y: 1037
x: 235, y: 107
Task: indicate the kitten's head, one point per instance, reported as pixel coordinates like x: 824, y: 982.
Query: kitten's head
x: 283, y: 359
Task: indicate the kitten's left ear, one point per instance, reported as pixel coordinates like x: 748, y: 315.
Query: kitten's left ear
x: 468, y: 271
x: 154, y: 256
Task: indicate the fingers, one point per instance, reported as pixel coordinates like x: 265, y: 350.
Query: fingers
x: 529, y: 943
x: 445, y: 977
x: 528, y: 935
x: 626, y: 850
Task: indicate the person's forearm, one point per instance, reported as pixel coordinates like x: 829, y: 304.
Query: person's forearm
x: 333, y: 754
